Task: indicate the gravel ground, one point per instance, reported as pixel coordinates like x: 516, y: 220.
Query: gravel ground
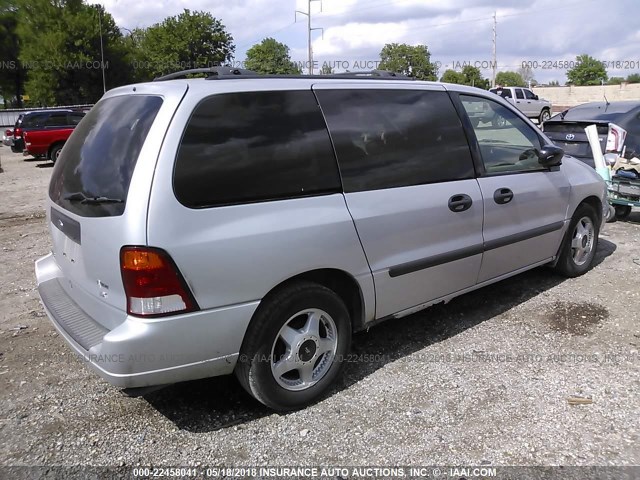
x: 487, y: 379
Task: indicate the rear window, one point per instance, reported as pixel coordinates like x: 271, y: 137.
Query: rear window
x: 504, y: 93
x: 92, y: 175
x: 255, y: 146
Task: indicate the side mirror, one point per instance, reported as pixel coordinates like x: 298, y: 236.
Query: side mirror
x: 550, y: 156
x: 535, y: 97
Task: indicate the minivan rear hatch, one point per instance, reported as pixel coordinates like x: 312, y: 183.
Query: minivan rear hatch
x: 99, y: 193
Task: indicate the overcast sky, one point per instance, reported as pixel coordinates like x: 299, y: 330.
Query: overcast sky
x: 456, y: 31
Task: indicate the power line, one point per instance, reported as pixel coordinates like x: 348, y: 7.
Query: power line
x: 265, y: 36
x: 360, y: 9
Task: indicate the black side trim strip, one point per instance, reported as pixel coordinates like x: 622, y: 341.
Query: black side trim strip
x: 423, y: 263
x: 66, y: 225
x: 519, y: 237
x: 447, y: 257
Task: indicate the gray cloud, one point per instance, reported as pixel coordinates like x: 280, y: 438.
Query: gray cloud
x: 454, y: 30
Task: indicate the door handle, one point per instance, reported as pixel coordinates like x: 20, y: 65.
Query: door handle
x: 460, y: 203
x: 502, y: 196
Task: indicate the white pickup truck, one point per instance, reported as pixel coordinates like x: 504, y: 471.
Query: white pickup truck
x: 526, y: 101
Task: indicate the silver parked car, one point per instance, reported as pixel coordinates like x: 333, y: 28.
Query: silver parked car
x: 7, y: 137
x: 526, y: 101
x: 247, y: 224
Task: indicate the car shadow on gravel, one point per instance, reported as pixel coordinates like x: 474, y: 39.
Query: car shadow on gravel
x: 217, y: 403
x: 633, y: 218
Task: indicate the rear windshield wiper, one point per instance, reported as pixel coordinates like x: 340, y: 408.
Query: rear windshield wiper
x: 82, y: 198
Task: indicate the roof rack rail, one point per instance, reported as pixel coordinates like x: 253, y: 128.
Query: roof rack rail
x: 211, y: 71
x: 372, y: 73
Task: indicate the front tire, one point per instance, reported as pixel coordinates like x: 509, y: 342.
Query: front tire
x: 580, y: 243
x: 295, y: 346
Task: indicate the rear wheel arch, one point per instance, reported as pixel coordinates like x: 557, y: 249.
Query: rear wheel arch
x: 340, y: 282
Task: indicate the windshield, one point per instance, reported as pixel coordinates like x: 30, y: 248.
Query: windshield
x: 92, y: 175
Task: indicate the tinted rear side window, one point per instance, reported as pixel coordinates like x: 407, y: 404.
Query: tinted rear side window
x: 93, y: 173
x: 248, y: 147
x: 74, y: 118
x: 395, y: 138
x: 56, y: 119
x: 29, y: 121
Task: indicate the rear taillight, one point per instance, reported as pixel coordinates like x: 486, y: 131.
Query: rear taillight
x: 153, y: 284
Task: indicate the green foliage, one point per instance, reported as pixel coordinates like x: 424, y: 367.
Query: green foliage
x: 510, y: 79
x: 473, y: 77
x: 451, y: 76
x: 181, y: 42
x: 634, y: 78
x: 326, y: 69
x: 11, y: 72
x: 61, y: 51
x: 469, y: 75
x: 554, y: 83
x: 615, y: 81
x: 588, y: 71
x: 270, y: 57
x: 413, y: 61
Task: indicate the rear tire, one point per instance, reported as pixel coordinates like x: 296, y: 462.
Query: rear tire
x: 498, y: 121
x: 580, y: 243
x: 622, y: 211
x: 294, y: 347
x: 545, y: 115
x: 55, y: 153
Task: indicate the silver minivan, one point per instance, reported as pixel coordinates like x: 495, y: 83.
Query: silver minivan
x: 249, y: 224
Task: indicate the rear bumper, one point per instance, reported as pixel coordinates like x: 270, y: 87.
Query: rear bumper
x: 141, y: 352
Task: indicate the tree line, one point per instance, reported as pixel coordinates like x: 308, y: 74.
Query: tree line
x: 52, y: 52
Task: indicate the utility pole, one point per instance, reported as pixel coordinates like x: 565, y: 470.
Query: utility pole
x: 495, y: 34
x: 309, y: 29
